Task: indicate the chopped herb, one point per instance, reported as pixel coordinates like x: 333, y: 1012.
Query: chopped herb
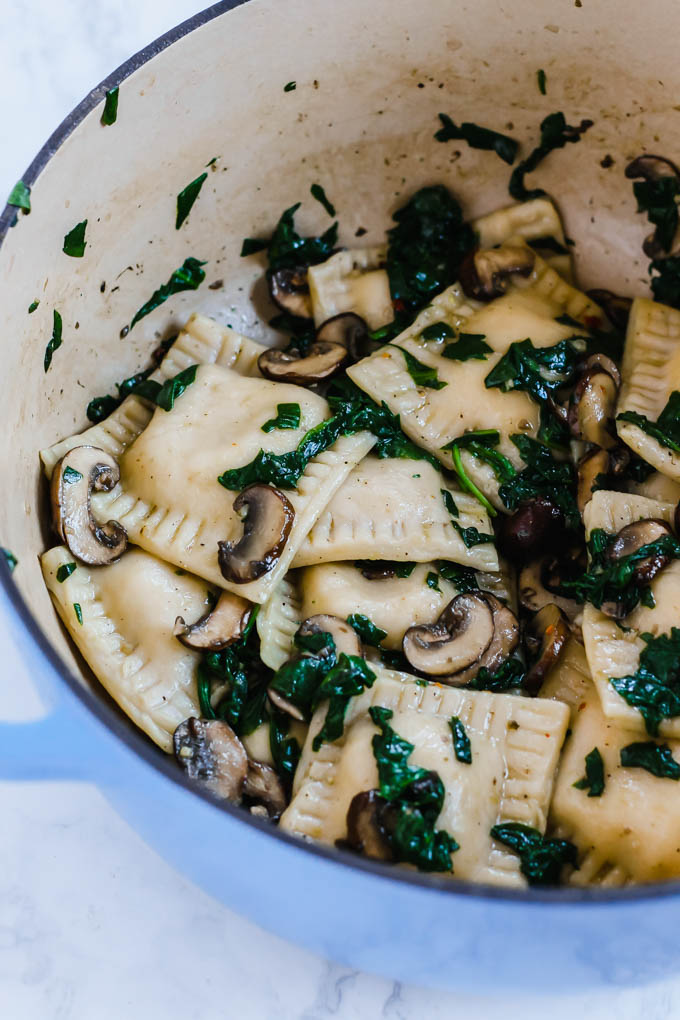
x: 320, y: 195
x: 538, y: 371
x: 189, y: 276
x: 110, y: 107
x: 175, y: 387
x: 232, y: 684
x: 655, y: 758
x: 287, y: 417
x: 472, y: 536
x: 543, y: 476
x: 20, y: 196
x: 74, y: 241
x: 32, y: 307
x: 416, y: 798
x: 658, y: 198
x: 666, y: 428
x: 287, y: 248
x: 555, y: 133
x: 345, y: 681
x: 541, y: 81
x: 507, y: 677
x: 285, y: 750
x: 422, y: 375
x: 64, y: 571
x: 461, y: 741
x: 251, y: 245
x: 438, y: 331
x: 290, y: 86
x: 666, y: 284
x: 593, y: 780
x: 432, y: 581
x: 541, y: 859
x: 211, y: 162
x: 464, y: 578
x: 613, y: 580
x: 401, y: 570
x: 654, y: 688
x: 79, y: 613
x: 467, y: 346
x: 449, y: 503
x: 9, y: 558
x: 477, y: 138
x: 186, y: 199
x: 366, y: 629
x: 71, y: 475
x: 55, y: 340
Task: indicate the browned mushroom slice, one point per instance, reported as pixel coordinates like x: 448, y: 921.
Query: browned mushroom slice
x: 289, y: 290
x: 616, y: 307
x: 503, y: 642
x: 601, y: 362
x: 591, y: 409
x: 344, y: 637
x: 629, y: 540
x: 484, y: 274
x: 364, y: 831
x: 546, y: 637
x: 535, y: 584
x: 85, y: 470
x: 377, y: 570
x: 266, y: 526
x: 217, y: 628
x: 347, y: 329
x: 284, y: 705
x: 210, y: 752
x: 458, y: 639
x: 263, y: 785
x: 322, y: 360
x: 593, y: 470
x: 531, y: 530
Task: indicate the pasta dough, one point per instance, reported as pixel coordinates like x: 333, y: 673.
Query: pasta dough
x: 535, y: 220
x: 128, y: 612
x: 515, y: 745
x: 393, y: 509
x: 632, y: 831
x: 352, y: 281
x: 277, y: 621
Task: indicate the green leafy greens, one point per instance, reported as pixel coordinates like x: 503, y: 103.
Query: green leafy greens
x: 666, y: 428
x: 555, y: 134
x: 538, y: 371
x: 437, y: 331
x: 9, y: 558
x: 20, y: 196
x: 593, y: 780
x: 65, y: 571
x: 467, y: 346
x: 657, y: 197
x: 541, y: 81
x: 33, y: 305
x: 655, y: 758
x: 110, y: 107
x: 366, y: 629
x: 74, y: 241
x: 432, y: 581
x: 79, y: 612
x: 543, y: 476
x: 654, y: 687
x: 55, y: 340
x: 290, y: 86
x: 461, y: 741
x: 189, y: 276
x: 175, y: 387
x: 422, y: 375
x: 415, y: 798
x: 666, y: 284
x: 287, y: 417
x: 480, y: 443
x: 541, y: 859
x: 320, y: 195
x: 507, y: 677
x: 478, y: 138
x: 186, y: 199
x: 343, y: 682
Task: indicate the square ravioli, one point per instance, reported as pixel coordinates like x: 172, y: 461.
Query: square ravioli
x: 393, y: 509
x: 433, y: 417
x: 614, y: 651
x: 515, y: 745
x: 352, y: 281
x: 169, y: 499
x: 121, y: 619
x: 536, y: 221
x: 631, y: 832
x: 650, y: 373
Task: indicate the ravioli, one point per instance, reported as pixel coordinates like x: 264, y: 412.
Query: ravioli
x: 515, y: 745
x: 128, y: 612
x: 649, y: 374
x: 632, y: 831
x: 278, y: 620
x: 169, y: 499
x: 393, y: 509
x: 535, y: 220
x: 352, y: 280
x: 433, y: 417
x: 612, y: 651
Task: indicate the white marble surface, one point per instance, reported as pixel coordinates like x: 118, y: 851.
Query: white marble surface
x: 93, y: 925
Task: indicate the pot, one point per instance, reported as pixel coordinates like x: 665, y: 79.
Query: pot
x: 370, y: 81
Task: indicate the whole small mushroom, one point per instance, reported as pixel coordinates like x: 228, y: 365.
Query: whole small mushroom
x: 266, y: 526
x: 82, y: 471
x: 484, y: 274
x: 532, y: 529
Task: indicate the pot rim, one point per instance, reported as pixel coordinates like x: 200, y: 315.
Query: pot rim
x: 133, y: 739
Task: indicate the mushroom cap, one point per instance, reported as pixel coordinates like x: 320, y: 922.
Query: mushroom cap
x: 504, y: 641
x: 266, y: 526
x: 530, y: 530
x: 592, y: 406
x: 364, y: 831
x: 209, y: 751
x: 349, y: 330
x: 82, y: 471
x: 219, y: 627
x: 459, y: 638
x: 322, y: 360
x: 546, y: 637
x: 631, y: 538
x: 651, y: 167
x: 484, y: 273
x: 262, y: 784
x: 344, y: 637
x: 289, y: 290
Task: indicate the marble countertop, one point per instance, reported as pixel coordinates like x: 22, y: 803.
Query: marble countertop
x: 93, y: 924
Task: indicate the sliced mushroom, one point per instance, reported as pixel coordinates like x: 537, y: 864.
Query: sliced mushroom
x: 262, y: 784
x: 364, y: 830
x: 546, y: 637
x: 289, y: 291
x: 531, y: 530
x: 344, y: 637
x: 593, y: 470
x: 616, y: 307
x: 347, y: 329
x: 210, y: 752
x: 268, y: 519
x: 323, y: 359
x: 284, y: 705
x: 85, y: 470
x: 377, y: 570
x: 591, y: 408
x: 459, y: 638
x: 535, y: 584
x: 633, y: 537
x: 504, y: 641
x: 219, y: 627
x: 600, y: 361
x: 484, y: 274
